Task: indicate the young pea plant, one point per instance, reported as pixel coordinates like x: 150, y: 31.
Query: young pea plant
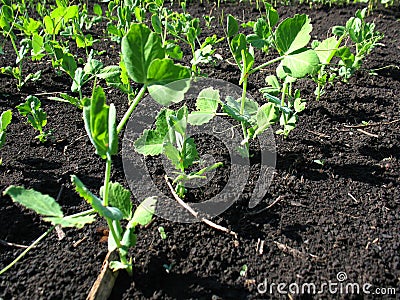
x: 9, y: 23
x: 186, y: 29
x: 93, y: 69
x: 144, y: 61
x: 5, y: 120
x: 170, y: 138
x: 290, y: 104
x: 290, y: 39
x: 364, y: 38
x: 36, y: 116
x: 50, y: 210
x: 115, y: 203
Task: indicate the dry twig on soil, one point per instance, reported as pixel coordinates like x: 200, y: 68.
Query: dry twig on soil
x: 196, y: 214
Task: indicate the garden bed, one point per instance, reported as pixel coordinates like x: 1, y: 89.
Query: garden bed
x: 339, y: 215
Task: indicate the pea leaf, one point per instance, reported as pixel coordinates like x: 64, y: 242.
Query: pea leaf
x: 172, y: 154
x: 326, y: 50
x: 151, y: 141
x: 100, y: 124
x: 41, y: 204
x: 5, y: 119
x: 120, y: 198
x: 170, y: 93
x: 77, y: 222
x: 112, y: 213
x: 164, y: 80
x: 267, y: 115
x: 293, y: 34
x: 232, y: 26
x: 232, y: 108
x: 139, y: 48
x: 143, y: 213
x: 300, y: 64
x: 190, y: 154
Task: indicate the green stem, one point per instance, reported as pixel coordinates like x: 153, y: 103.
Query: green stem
x: 284, y: 92
x: 107, y: 176
x: 242, y: 104
x: 113, y: 233
x: 125, y: 262
x: 27, y: 249
x: 131, y: 108
x: 266, y: 64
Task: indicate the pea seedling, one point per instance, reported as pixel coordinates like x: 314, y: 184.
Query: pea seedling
x: 170, y: 138
x: 36, y: 116
x: 5, y: 120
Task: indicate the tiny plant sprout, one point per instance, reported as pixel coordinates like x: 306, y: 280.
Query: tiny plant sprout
x: 320, y: 162
x: 162, y: 233
x: 243, y: 271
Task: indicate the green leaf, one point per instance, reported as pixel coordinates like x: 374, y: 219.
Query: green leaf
x: 5, y: 119
x: 173, y: 155
x: 128, y: 239
x: 200, y: 118
x: 293, y: 34
x: 299, y: 105
x: 164, y: 71
x: 209, y: 168
x: 100, y: 124
x: 109, y: 72
x: 120, y: 198
x: 117, y: 265
x: 111, y: 213
x: 191, y: 154
x: 97, y: 10
x: 232, y: 26
x: 326, y: 50
x: 267, y: 115
x: 271, y: 14
x: 37, y: 43
x: 151, y: 141
x: 143, y: 213
x: 172, y: 92
x: 41, y: 204
x: 232, y: 108
x: 173, y: 51
x: 93, y: 67
x: 139, y: 48
x: 77, y: 222
x: 238, y: 45
x: 156, y: 23
x: 48, y: 25
x: 69, y: 64
x: 207, y: 100
x: 300, y: 64
x: 78, y: 80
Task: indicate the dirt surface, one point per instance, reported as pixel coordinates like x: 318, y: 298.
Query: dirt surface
x: 342, y: 216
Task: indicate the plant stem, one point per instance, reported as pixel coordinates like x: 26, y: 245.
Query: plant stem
x: 107, y: 176
x: 242, y: 104
x: 284, y: 92
x: 27, y: 249
x: 266, y: 64
x: 131, y: 108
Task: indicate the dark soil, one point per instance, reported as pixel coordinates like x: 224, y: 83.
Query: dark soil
x: 339, y: 217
